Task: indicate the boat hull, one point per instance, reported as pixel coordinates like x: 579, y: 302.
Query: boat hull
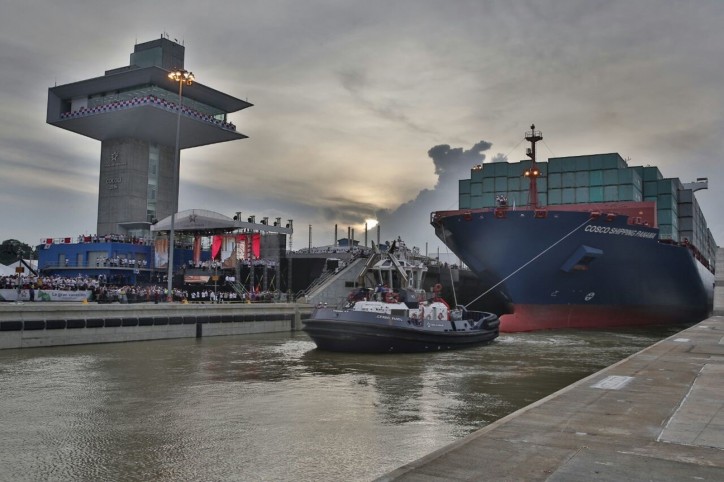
x: 358, y: 332
x: 567, y: 269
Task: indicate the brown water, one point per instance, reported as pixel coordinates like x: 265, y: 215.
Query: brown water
x: 270, y: 407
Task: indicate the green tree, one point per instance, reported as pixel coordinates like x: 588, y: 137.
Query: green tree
x: 11, y: 248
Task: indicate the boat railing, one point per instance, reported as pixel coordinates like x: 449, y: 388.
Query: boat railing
x: 474, y: 315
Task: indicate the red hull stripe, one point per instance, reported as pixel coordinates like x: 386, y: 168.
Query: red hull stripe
x: 548, y: 317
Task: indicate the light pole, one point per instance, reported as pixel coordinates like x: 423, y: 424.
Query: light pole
x: 182, y: 77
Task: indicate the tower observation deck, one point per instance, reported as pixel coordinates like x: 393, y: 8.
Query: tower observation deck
x: 133, y: 111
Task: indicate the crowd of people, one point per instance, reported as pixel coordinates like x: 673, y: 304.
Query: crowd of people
x: 104, y: 291
x: 63, y: 283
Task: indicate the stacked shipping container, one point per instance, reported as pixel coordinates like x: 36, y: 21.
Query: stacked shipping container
x: 592, y: 179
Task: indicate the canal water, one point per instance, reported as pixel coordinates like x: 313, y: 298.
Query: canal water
x: 270, y: 407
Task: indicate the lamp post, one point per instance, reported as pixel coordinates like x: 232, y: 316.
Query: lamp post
x: 182, y: 77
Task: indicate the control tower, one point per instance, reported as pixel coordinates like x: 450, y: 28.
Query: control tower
x: 134, y: 111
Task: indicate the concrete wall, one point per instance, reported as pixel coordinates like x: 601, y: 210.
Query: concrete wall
x: 123, y: 184
x: 29, y: 325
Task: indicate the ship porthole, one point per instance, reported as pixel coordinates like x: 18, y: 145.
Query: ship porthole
x: 590, y: 296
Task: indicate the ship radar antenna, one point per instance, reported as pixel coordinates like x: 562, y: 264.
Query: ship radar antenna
x: 532, y: 172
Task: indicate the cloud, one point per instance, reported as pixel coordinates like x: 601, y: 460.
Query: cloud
x: 411, y: 220
x: 348, y: 96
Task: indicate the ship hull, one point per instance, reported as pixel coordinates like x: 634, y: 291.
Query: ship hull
x: 569, y: 269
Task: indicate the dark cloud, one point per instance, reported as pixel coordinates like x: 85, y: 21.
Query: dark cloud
x: 451, y: 161
x: 411, y: 220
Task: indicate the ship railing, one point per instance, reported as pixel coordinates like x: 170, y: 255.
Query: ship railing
x: 317, y: 282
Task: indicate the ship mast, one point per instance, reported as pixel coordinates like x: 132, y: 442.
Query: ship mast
x: 533, y: 172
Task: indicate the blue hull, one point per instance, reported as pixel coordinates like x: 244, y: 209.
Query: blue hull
x: 567, y: 269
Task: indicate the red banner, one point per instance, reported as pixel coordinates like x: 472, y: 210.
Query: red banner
x: 216, y: 246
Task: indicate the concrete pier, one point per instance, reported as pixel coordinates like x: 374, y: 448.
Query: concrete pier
x: 719, y: 283
x: 27, y: 325
x: 657, y: 415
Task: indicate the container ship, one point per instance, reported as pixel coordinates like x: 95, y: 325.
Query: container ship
x: 583, y: 242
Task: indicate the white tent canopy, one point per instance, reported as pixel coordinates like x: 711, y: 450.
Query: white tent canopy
x: 9, y: 270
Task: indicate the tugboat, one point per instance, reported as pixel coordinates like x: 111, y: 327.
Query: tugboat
x: 402, y: 320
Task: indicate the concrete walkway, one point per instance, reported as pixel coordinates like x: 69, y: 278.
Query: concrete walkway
x: 657, y: 415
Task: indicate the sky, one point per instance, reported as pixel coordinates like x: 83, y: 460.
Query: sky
x: 369, y: 110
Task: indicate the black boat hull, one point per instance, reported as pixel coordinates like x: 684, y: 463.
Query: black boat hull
x: 360, y: 337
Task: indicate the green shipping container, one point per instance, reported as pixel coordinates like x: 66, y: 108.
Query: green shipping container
x: 569, y: 164
x: 554, y: 180
x: 629, y: 176
x: 595, y: 178
x: 628, y: 192
x: 595, y: 194
x: 651, y: 188
x: 489, y: 184
x: 487, y: 200
x: 554, y: 196
x: 476, y: 175
x: 668, y: 232
x: 555, y: 164
x: 501, y: 184
x: 464, y: 201
x: 666, y: 216
x: 582, y: 194
x: 610, y: 193
x: 500, y: 169
x: 612, y: 161
x: 568, y: 196
x: 652, y: 173
x: 666, y: 201
x: 610, y: 177
x: 568, y: 179
x: 464, y: 186
x: 476, y: 188
x: 514, y: 183
x: 582, y: 179
x: 542, y: 199
x: 542, y: 184
x: 582, y: 163
x: 669, y: 186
